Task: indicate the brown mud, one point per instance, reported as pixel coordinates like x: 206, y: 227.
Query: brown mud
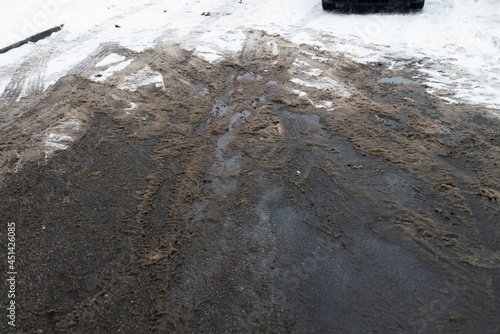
x: 284, y: 189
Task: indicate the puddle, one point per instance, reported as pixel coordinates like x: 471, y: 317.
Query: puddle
x: 225, y: 140
x: 396, y: 81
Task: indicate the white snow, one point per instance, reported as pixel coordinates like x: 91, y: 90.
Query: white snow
x: 132, y: 106
x: 143, y: 77
x: 61, y: 136
x: 208, y: 54
x: 111, y: 59
x: 324, y: 105
x: 455, y: 43
x: 110, y: 71
x: 299, y: 93
x: 322, y: 84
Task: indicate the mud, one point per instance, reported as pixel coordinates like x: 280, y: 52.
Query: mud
x: 284, y: 189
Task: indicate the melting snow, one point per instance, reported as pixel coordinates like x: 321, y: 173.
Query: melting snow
x: 102, y: 76
x: 143, y: 77
x: 61, y: 136
x: 455, y: 42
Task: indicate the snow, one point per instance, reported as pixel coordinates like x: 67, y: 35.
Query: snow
x: 143, y: 77
x: 132, y: 106
x: 455, y: 44
x: 208, y: 54
x: 324, y: 84
x: 111, y: 59
x: 61, y: 136
x: 102, y: 76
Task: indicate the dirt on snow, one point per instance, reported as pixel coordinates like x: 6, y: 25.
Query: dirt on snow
x: 282, y: 190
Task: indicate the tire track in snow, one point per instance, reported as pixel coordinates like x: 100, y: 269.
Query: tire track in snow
x: 28, y: 77
x: 87, y: 66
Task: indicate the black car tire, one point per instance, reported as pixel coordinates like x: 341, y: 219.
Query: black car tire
x: 418, y: 6
x: 327, y: 6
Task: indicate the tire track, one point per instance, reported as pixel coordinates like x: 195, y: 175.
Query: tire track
x: 87, y: 67
x: 28, y: 77
x: 236, y: 206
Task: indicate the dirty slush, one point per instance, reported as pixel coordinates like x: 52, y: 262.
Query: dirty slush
x: 241, y: 198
